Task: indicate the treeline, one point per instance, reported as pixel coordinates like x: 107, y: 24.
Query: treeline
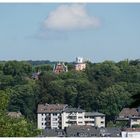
x: 106, y: 87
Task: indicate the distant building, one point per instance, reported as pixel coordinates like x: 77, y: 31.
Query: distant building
x: 80, y: 64
x: 82, y: 131
x: 36, y: 75
x: 131, y: 133
x: 59, y: 68
x: 132, y: 115
x: 14, y: 114
x: 60, y: 116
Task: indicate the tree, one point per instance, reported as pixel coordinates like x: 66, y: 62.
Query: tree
x: 13, y: 127
x: 136, y: 100
x: 113, y: 100
x: 24, y: 98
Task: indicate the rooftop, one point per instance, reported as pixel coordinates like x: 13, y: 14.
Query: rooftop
x: 129, y: 112
x: 14, y: 114
x: 43, y: 108
x: 73, y: 110
x: 94, y: 114
x: 132, y: 129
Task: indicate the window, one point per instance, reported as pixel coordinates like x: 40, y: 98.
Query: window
x: 54, y: 119
x: 54, y: 114
x: 42, y: 119
x: 102, y: 122
x: 42, y: 123
x: 42, y: 114
x: 80, y: 117
x: 79, y: 122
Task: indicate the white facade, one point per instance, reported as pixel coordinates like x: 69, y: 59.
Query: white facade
x: 130, y: 134
x: 80, y: 64
x: 79, y: 60
x: 134, y: 121
x: 67, y: 117
x: 72, y: 118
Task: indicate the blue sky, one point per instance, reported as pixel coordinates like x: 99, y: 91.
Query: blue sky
x: 97, y: 32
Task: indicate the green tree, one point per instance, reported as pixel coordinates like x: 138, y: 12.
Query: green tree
x: 13, y: 127
x: 113, y: 100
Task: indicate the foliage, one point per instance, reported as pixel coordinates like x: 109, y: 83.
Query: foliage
x: 13, y: 127
x: 113, y: 100
x: 106, y: 87
x: 118, y: 124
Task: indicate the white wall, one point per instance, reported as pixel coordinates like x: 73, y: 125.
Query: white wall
x: 130, y: 134
x: 41, y: 119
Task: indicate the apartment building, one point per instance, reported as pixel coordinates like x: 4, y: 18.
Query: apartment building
x: 60, y: 116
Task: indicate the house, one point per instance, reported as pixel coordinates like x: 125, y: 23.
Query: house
x: 110, y: 132
x: 60, y: 116
x: 82, y: 131
x: 53, y: 133
x: 14, y: 114
x: 131, y: 115
x: 80, y: 64
x: 59, y: 68
x: 131, y: 132
x: 36, y: 75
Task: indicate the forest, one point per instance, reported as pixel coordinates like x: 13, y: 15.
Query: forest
x: 106, y: 87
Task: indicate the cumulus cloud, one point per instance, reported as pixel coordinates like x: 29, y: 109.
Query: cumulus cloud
x: 70, y: 17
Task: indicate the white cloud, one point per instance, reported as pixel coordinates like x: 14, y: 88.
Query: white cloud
x: 70, y: 17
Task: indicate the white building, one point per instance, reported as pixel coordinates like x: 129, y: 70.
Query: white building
x: 131, y: 133
x: 60, y: 116
x: 80, y: 64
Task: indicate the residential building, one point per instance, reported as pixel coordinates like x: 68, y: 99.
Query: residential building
x: 14, y: 114
x: 60, y: 116
x: 131, y: 115
x: 59, y: 68
x: 36, y: 75
x: 82, y: 131
x: 131, y: 132
x: 80, y: 64
x: 53, y: 133
x: 94, y: 119
x: 110, y: 132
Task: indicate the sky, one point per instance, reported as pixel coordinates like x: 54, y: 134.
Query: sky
x: 61, y: 32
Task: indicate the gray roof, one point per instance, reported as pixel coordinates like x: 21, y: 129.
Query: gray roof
x: 129, y: 112
x: 82, y: 131
x: 110, y: 132
x: 14, y: 114
x: 94, y: 114
x: 73, y: 110
x: 53, y: 133
x: 49, y: 108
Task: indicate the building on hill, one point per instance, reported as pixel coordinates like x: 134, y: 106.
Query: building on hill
x: 131, y: 115
x: 131, y: 133
x: 59, y: 68
x: 80, y: 64
x: 60, y: 116
x: 36, y: 75
x: 14, y: 114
